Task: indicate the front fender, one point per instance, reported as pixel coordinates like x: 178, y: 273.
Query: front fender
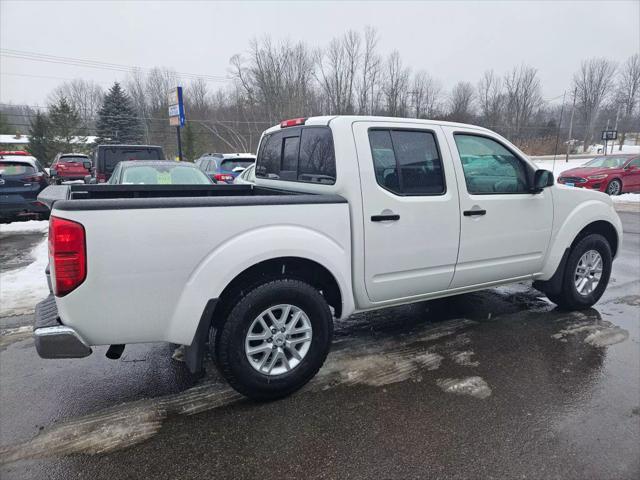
x: 570, y: 224
x: 220, y: 266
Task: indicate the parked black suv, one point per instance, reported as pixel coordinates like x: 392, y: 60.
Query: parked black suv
x: 22, y: 178
x: 106, y: 157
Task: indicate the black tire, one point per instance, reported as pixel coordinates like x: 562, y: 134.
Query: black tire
x: 614, y: 187
x: 569, y: 298
x: 229, y: 350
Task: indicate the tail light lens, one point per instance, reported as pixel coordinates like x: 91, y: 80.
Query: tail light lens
x: 68, y: 255
x: 101, y: 178
x: 223, y: 177
x: 34, y: 178
x: 294, y: 122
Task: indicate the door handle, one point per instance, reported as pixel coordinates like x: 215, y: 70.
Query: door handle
x: 385, y: 218
x: 472, y: 213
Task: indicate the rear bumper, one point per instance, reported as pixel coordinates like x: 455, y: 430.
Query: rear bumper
x: 14, y: 205
x: 52, y: 338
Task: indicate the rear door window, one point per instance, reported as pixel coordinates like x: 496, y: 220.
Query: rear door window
x: 407, y: 162
x: 302, y: 155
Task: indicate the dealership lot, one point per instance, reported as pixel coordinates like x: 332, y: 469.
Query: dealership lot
x: 490, y: 384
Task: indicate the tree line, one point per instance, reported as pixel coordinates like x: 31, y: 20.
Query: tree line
x: 274, y: 80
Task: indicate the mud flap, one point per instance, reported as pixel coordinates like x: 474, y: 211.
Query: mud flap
x: 194, y: 353
x: 553, y: 286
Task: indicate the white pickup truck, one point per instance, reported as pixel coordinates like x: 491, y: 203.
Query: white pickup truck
x: 348, y: 214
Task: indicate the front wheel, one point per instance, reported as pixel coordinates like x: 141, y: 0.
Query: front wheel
x: 586, y: 274
x: 614, y: 188
x: 275, y: 339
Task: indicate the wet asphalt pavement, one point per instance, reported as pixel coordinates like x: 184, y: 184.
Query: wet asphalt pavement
x: 494, y: 384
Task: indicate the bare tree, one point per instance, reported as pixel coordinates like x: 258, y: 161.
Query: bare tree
x: 425, y: 92
x: 522, y: 98
x: 336, y: 73
x: 84, y: 96
x: 368, y: 86
x: 461, y: 102
x: 592, y: 83
x: 396, y: 88
x: 628, y: 94
x: 197, y: 94
x: 490, y: 99
x: 276, y: 78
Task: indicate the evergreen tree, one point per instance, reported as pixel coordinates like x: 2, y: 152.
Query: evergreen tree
x: 65, y: 126
x: 117, y: 120
x: 40, y: 145
x: 4, y: 124
x: 189, y: 143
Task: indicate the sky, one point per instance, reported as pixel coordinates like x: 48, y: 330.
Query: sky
x: 453, y: 41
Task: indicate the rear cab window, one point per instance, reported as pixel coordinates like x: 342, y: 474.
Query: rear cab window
x: 299, y: 154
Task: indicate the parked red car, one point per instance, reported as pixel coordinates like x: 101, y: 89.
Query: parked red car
x: 612, y: 174
x: 70, y: 166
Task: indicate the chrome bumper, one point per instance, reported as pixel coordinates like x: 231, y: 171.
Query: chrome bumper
x: 54, y: 340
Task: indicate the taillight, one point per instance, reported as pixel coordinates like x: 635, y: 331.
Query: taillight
x: 68, y: 255
x: 101, y: 178
x: 294, y: 122
x: 223, y: 177
x: 34, y: 178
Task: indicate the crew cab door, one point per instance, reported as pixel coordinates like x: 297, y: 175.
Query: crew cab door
x: 505, y: 229
x: 410, y: 206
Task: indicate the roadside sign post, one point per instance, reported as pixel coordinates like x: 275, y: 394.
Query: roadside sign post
x: 608, y: 135
x: 176, y: 114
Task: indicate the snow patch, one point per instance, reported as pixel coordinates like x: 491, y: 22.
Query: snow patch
x: 12, y: 335
x: 601, y: 334
x: 28, y: 226
x: 627, y: 198
x: 472, y: 386
x: 21, y: 289
x: 464, y: 358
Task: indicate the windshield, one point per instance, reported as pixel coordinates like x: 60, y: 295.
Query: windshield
x: 230, y: 165
x: 118, y: 154
x: 606, y: 162
x: 164, y: 175
x: 14, y: 168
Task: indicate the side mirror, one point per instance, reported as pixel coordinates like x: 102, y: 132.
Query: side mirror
x: 541, y: 180
x: 87, y: 165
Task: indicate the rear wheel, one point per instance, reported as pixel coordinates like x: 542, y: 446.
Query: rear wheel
x: 275, y: 339
x: 614, y: 187
x: 586, y: 274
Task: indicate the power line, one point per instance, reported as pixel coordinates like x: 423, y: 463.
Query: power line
x: 82, y: 62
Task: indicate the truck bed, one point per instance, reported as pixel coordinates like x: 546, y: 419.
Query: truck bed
x: 115, y: 197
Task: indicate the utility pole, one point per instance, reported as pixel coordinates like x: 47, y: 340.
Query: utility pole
x: 555, y: 150
x: 606, y: 143
x: 573, y: 109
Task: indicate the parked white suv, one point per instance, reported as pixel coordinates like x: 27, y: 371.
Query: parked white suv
x: 348, y: 214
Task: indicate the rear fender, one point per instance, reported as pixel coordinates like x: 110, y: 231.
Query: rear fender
x: 222, y: 265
